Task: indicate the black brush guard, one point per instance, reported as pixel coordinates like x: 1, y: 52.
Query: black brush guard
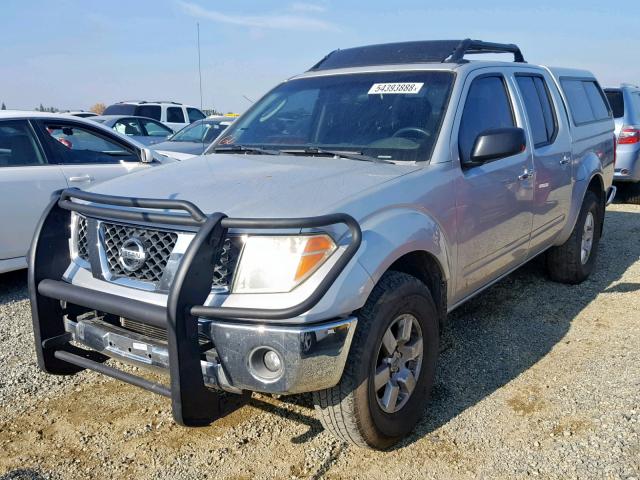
x: 51, y: 298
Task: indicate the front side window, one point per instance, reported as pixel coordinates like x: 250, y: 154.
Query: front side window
x: 76, y: 145
x: 18, y: 146
x: 149, y: 111
x: 128, y: 126
x: 539, y: 108
x: 487, y: 107
x: 155, y: 129
x: 194, y: 114
x: 175, y: 115
x: 386, y: 115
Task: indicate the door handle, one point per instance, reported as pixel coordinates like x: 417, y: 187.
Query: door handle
x: 527, y: 174
x: 82, y: 178
x: 565, y: 160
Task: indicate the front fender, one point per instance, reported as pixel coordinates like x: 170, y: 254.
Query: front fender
x: 389, y: 235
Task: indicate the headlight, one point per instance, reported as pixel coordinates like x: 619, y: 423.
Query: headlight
x: 276, y: 264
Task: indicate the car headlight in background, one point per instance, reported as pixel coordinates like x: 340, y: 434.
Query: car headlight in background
x: 277, y: 264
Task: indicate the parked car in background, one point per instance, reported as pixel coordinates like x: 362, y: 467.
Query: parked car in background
x: 44, y: 152
x: 144, y: 130
x: 194, y: 139
x: 321, y: 245
x: 625, y: 103
x: 172, y: 114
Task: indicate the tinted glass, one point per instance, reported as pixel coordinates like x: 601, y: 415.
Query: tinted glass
x: 175, y: 115
x: 194, y: 114
x: 120, y: 109
x: 616, y: 100
x: 534, y: 109
x: 149, y: 111
x: 18, y: 146
x: 128, y: 126
x: 596, y: 101
x: 539, y: 109
x: 389, y: 115
x: 586, y: 101
x: 155, y: 129
x: 75, y: 145
x: 487, y: 106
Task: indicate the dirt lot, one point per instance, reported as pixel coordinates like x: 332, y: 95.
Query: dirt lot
x: 536, y: 379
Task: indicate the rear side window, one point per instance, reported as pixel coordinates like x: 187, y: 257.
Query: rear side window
x: 194, y: 114
x: 586, y: 101
x: 487, y: 107
x: 149, y: 111
x: 18, y: 146
x: 616, y: 100
x: 539, y: 108
x: 128, y: 126
x: 155, y: 129
x: 175, y: 115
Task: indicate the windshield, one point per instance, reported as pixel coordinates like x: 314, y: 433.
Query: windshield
x: 385, y: 115
x: 205, y: 132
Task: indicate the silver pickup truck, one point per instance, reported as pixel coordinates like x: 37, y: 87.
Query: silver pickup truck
x: 321, y: 241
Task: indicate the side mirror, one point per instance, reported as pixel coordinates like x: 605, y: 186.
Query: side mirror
x: 146, y: 155
x: 496, y: 144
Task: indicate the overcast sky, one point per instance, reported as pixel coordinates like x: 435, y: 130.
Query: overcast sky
x: 72, y: 54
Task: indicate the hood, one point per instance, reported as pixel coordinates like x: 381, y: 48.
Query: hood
x: 258, y: 185
x: 192, y: 148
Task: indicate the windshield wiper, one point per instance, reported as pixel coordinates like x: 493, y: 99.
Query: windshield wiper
x: 337, y: 153
x: 243, y: 149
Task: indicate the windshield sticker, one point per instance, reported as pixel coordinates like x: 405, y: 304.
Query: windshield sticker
x: 388, y: 88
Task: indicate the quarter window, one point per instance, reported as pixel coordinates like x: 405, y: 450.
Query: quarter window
x: 175, y: 115
x: 539, y: 108
x: 17, y: 145
x: 74, y: 145
x: 586, y: 101
x: 487, y: 107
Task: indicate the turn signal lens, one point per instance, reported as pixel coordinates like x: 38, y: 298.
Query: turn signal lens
x: 315, y: 253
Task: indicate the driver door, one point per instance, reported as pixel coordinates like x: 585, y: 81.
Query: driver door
x: 494, y: 200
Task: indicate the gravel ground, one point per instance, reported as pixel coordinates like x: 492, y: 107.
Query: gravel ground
x: 535, y: 379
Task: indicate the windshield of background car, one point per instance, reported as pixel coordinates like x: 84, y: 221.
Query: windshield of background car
x: 205, y: 132
x: 388, y: 115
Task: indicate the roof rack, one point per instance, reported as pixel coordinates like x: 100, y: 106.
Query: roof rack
x: 429, y: 51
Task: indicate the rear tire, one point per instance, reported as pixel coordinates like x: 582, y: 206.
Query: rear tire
x: 357, y: 412
x: 573, y: 261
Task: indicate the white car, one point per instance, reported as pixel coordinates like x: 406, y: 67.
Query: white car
x: 44, y: 152
x: 173, y: 114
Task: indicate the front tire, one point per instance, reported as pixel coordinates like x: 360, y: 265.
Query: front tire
x: 390, y: 368
x: 573, y: 261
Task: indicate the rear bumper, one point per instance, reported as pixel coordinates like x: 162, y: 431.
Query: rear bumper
x: 627, y: 164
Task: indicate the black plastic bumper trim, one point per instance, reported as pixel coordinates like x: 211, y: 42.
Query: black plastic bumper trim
x: 112, y: 372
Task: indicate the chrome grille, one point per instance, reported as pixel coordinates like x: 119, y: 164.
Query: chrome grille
x: 158, y: 245
x: 226, y: 265
x: 83, y: 251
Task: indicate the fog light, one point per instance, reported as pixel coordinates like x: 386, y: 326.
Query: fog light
x: 272, y: 361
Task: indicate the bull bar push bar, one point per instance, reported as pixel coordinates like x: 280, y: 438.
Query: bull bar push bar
x: 193, y: 404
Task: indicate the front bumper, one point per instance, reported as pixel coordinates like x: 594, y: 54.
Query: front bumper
x: 313, y: 357
x: 65, y: 315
